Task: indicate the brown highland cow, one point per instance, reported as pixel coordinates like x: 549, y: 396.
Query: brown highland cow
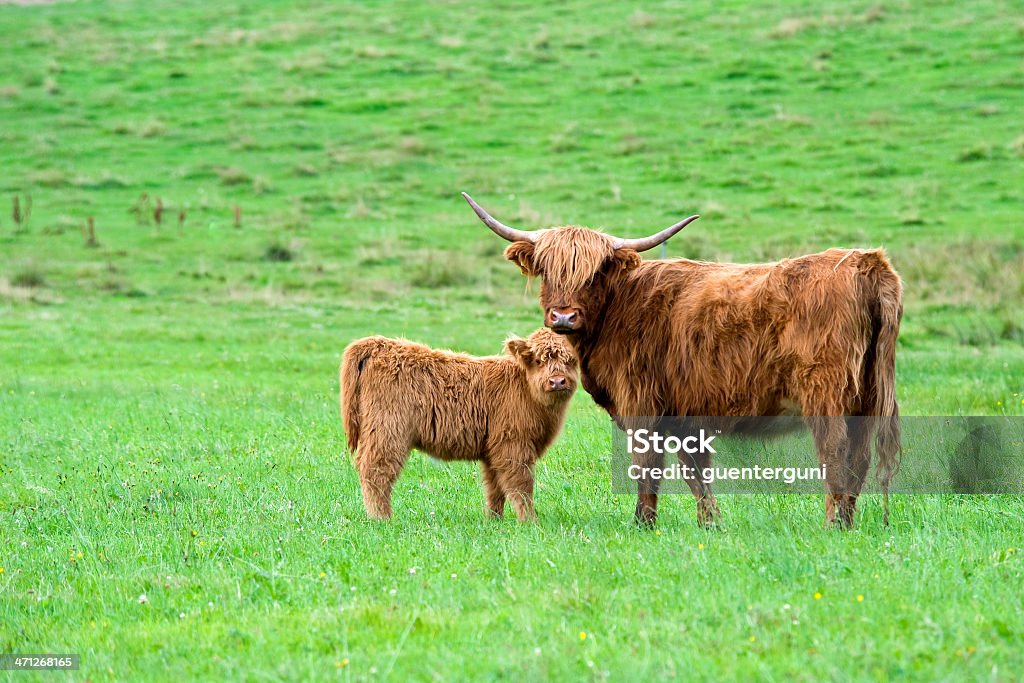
x: 504, y: 411
x: 813, y: 336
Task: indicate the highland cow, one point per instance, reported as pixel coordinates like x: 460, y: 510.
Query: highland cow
x: 504, y: 411
x: 812, y: 336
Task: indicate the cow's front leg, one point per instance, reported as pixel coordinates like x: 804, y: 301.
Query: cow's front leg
x: 495, y: 494
x: 647, y: 485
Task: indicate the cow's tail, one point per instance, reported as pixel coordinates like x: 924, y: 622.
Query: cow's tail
x: 886, y: 316
x: 353, y: 361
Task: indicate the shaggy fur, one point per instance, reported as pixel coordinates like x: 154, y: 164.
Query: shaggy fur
x: 503, y: 411
x: 814, y: 336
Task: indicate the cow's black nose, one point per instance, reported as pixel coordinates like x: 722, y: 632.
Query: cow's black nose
x: 563, y: 321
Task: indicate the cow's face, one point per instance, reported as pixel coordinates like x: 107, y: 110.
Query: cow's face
x: 550, y: 365
x: 577, y: 267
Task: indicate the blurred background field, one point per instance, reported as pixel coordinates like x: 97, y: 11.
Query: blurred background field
x: 267, y: 181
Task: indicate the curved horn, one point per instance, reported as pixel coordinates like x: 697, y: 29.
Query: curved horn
x: 645, y: 243
x: 500, y: 229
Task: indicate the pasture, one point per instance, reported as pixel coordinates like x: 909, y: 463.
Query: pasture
x: 176, y: 497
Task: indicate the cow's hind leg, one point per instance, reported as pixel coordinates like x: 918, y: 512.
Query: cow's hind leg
x: 858, y: 460
x: 707, y: 506
x: 495, y: 494
x: 379, y: 466
x: 830, y: 440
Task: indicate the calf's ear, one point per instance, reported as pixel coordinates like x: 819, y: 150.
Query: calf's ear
x: 521, y: 254
x: 518, y: 348
x: 625, y: 259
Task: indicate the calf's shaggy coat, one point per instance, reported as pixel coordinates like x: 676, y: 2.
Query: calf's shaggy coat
x: 504, y: 411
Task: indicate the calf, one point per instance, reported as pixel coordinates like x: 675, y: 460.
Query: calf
x: 504, y: 411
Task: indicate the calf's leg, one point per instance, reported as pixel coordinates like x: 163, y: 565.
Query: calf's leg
x: 514, y: 466
x: 495, y: 494
x: 379, y: 465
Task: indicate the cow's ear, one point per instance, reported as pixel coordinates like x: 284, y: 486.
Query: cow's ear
x: 518, y: 348
x: 626, y: 259
x: 521, y: 254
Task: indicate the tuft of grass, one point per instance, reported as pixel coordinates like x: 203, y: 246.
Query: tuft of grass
x: 278, y: 253
x: 30, y: 277
x: 435, y: 269
x: 978, y: 152
x: 231, y: 176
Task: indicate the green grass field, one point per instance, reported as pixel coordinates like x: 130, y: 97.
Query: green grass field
x: 168, y: 396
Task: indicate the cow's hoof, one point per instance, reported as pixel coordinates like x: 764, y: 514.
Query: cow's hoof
x: 645, y: 517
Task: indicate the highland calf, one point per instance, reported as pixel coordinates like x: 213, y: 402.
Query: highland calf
x: 501, y: 410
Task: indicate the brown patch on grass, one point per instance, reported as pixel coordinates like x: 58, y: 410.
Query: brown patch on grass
x: 630, y: 145
x: 431, y: 269
x: 15, y: 293
x: 791, y: 119
x: 50, y: 177
x: 412, y: 146
x: 1017, y: 145
x: 273, y: 295
x: 972, y: 271
x: 880, y: 119
x: 307, y: 63
x: 792, y: 26
x: 230, y: 175
x: 450, y: 42
x: 372, y: 52
x: 29, y: 277
x: 979, y: 152
x: 641, y: 19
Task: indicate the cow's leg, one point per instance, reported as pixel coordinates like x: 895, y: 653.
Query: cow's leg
x: 830, y: 440
x: 379, y: 464
x: 495, y: 494
x: 707, y: 507
x: 858, y: 459
x: 647, y: 488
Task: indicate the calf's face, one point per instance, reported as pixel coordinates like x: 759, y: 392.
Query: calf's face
x: 549, y: 364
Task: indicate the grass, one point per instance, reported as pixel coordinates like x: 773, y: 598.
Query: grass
x: 168, y: 410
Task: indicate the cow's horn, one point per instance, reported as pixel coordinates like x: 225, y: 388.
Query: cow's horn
x: 499, y: 228
x: 645, y: 243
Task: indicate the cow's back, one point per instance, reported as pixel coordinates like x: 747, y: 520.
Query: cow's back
x: 694, y: 338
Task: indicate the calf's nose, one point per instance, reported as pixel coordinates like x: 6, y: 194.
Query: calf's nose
x: 557, y: 383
